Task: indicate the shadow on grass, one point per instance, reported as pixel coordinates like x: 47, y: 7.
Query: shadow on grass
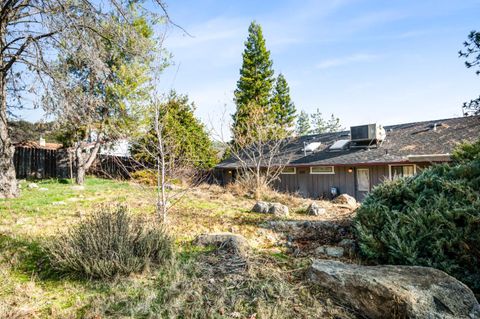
x: 34, y: 179
x: 28, y: 257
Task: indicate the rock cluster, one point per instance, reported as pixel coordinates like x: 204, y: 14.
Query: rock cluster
x: 276, y: 209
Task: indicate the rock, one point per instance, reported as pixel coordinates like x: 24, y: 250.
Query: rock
x: 58, y: 203
x: 172, y: 187
x: 261, y: 207
x: 43, y: 189
x: 349, y: 245
x: 228, y: 241
x: 78, y: 187
x: 316, y: 210
x: 32, y: 185
x: 278, y: 210
x: 347, y: 200
x: 332, y: 251
x: 405, y: 291
x: 323, y: 232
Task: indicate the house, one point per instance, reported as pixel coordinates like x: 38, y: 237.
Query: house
x: 354, y: 161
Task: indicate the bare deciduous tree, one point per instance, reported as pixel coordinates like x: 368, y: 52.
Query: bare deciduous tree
x: 30, y: 33
x: 163, y: 149
x: 260, y: 152
x: 162, y: 203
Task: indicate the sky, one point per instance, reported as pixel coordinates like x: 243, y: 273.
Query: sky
x: 365, y: 61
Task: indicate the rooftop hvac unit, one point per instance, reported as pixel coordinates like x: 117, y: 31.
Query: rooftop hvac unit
x: 369, y: 132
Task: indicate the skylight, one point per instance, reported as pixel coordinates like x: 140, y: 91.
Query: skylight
x: 312, y: 147
x: 339, y: 145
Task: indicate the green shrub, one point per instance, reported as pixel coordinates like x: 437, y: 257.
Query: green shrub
x: 466, y: 152
x: 145, y: 176
x: 110, y: 243
x: 432, y: 219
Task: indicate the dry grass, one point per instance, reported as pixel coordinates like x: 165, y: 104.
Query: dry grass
x: 270, y: 287
x: 213, y: 285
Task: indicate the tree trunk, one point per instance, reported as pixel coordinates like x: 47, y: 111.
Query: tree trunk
x: 162, y: 201
x: 83, y: 163
x: 79, y: 166
x: 80, y: 177
x: 8, y: 181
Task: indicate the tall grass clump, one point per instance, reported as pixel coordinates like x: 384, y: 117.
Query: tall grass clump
x: 432, y: 219
x: 110, y: 243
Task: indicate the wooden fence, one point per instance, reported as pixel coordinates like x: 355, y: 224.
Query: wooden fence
x: 115, y: 167
x: 35, y: 162
x: 39, y: 163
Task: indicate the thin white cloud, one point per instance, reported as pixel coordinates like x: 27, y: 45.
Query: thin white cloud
x: 218, y: 29
x: 335, y: 62
x: 376, y: 18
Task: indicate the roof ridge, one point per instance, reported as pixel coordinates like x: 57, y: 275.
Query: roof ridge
x: 430, y: 121
x: 393, y: 125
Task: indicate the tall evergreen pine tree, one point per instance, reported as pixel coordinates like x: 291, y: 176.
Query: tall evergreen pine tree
x: 282, y: 106
x: 256, y: 79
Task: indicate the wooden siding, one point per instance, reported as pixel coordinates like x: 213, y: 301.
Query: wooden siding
x: 319, y: 185
x: 305, y: 184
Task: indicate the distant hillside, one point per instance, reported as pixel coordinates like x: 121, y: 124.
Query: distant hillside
x: 21, y: 131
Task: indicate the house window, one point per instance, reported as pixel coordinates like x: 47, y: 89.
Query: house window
x: 289, y: 170
x: 363, y: 179
x: 322, y: 170
x: 397, y: 171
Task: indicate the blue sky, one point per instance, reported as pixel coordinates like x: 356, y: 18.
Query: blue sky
x: 365, y: 61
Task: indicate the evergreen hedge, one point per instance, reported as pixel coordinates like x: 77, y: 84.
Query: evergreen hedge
x: 431, y: 219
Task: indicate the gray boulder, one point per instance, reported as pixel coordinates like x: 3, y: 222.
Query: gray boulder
x: 278, y: 209
x: 347, y: 200
x: 315, y: 210
x: 261, y: 207
x: 226, y: 241
x: 395, y: 291
x: 332, y: 251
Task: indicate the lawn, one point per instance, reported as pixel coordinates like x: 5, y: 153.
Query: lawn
x: 272, y: 286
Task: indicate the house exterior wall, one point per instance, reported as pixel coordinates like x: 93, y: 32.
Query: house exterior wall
x: 317, y: 185
x: 344, y: 179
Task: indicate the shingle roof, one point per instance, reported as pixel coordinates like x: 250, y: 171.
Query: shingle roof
x: 33, y: 144
x: 401, y: 141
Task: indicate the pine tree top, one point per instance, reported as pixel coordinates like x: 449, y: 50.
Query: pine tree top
x: 256, y: 75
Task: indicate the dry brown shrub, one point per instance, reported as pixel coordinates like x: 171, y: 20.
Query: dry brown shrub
x: 109, y: 243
